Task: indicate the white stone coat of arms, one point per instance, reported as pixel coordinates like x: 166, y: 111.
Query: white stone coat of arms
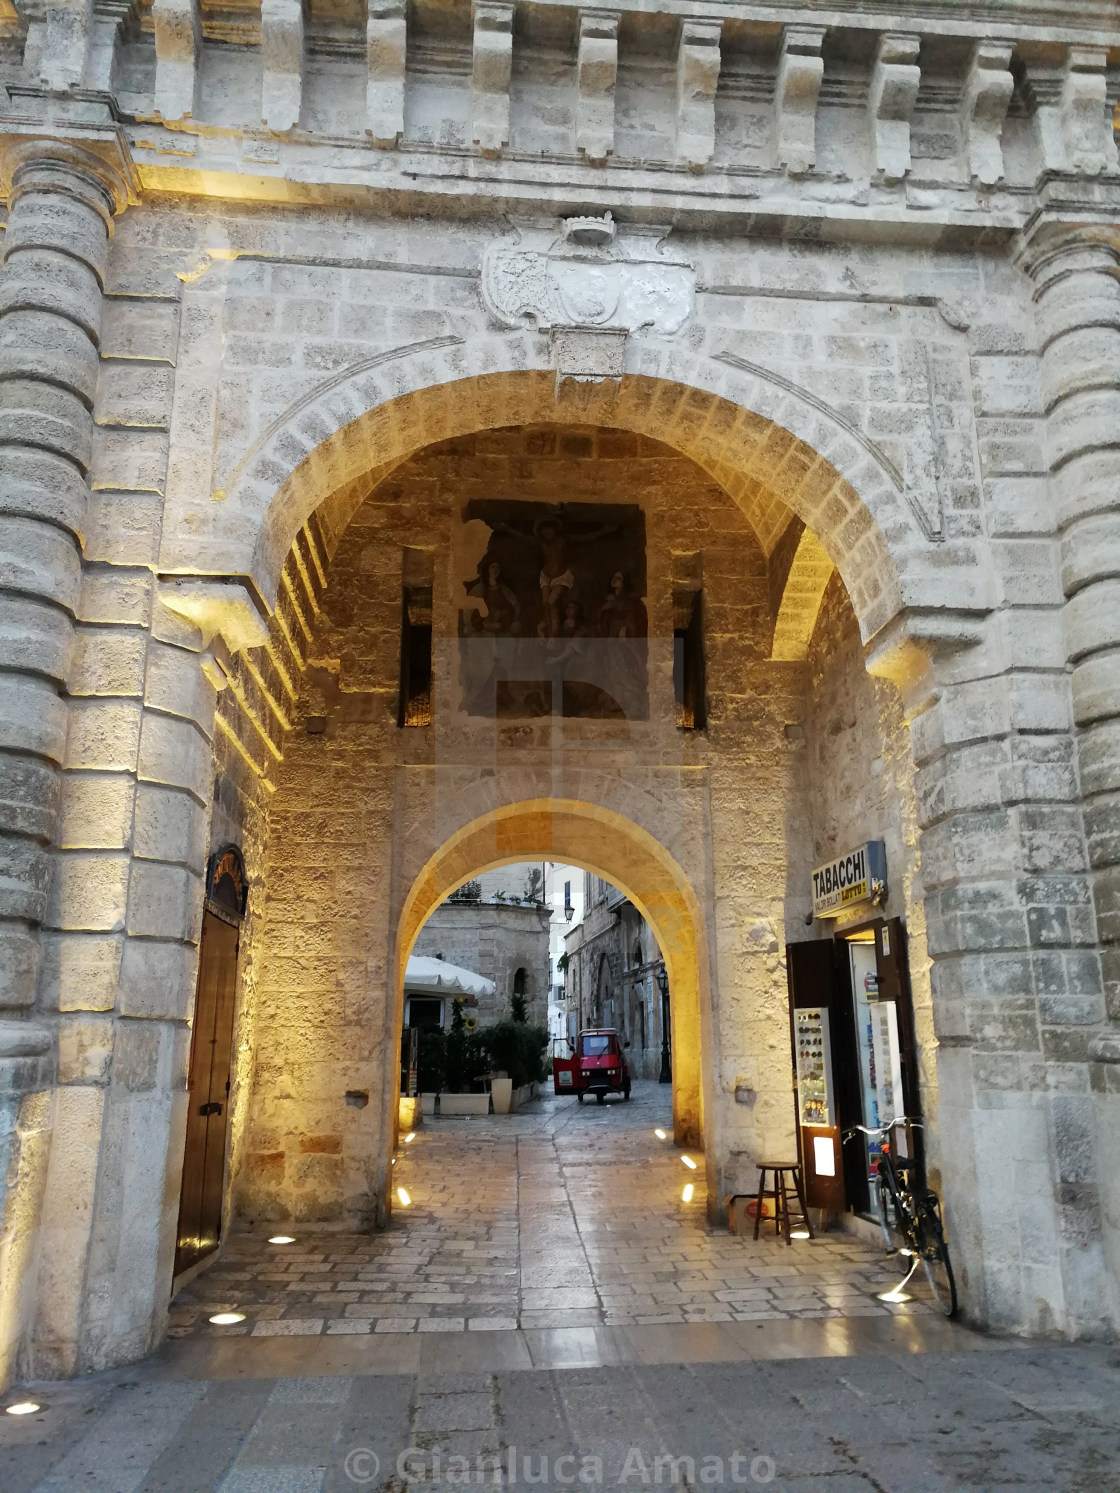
x: 587, y: 278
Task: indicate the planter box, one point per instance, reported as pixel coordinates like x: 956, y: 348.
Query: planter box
x: 464, y: 1104
x: 501, y: 1091
x: 428, y: 1103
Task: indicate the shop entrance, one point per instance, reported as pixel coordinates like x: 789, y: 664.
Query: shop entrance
x: 854, y: 1057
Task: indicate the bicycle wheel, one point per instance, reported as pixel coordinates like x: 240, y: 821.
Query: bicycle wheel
x: 935, y: 1260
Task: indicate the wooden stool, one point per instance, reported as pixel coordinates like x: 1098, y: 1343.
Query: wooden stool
x: 780, y: 1195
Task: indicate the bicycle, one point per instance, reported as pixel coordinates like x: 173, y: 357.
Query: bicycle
x: 901, y: 1190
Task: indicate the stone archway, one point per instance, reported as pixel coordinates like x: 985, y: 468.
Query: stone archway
x: 605, y: 842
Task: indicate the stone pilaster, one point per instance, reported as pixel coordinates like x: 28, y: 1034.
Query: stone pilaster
x: 62, y: 199
x: 1076, y: 274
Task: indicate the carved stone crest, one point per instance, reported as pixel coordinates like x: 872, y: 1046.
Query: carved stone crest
x: 589, y: 276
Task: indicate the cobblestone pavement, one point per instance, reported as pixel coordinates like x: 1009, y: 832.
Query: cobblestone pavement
x: 974, y: 1422
x: 564, y: 1215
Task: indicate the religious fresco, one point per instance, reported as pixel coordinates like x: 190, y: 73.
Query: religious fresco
x: 553, y: 618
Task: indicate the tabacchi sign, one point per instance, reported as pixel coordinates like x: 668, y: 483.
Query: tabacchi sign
x: 859, y: 876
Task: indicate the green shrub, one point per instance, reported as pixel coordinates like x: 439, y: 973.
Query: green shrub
x: 431, y: 1067
x: 517, y: 1049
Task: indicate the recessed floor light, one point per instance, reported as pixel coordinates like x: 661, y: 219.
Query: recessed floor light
x: 410, y: 1136
x: 227, y: 1319
x: 661, y: 1135
x: 281, y: 1239
x: 893, y: 1296
x: 686, y: 1195
x: 800, y: 1234
x: 688, y: 1161
x: 404, y: 1197
x: 22, y: 1407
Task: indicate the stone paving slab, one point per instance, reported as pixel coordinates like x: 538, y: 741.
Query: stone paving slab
x: 560, y: 1216
x: 993, y: 1416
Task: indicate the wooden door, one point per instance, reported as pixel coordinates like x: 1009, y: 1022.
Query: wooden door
x: 200, y: 1200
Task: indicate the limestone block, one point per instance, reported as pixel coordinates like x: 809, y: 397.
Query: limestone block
x: 128, y: 460
x: 895, y: 79
x: 96, y: 811
x: 1095, y: 687
x: 1080, y: 359
x: 53, y: 221
x: 169, y: 825
x: 140, y: 328
x: 1088, y: 139
x: 1090, y: 551
x: 800, y: 70
x: 492, y: 62
x: 386, y: 47
x: 46, y: 280
x: 177, y: 685
x: 282, y: 63
x: 1093, y: 619
x: 24, y: 878
x: 698, y: 65
x: 108, y: 661
x: 85, y: 1049
x: 164, y: 901
x: 596, y: 73
x: 123, y: 528
x: 39, y: 344
x: 39, y: 559
x: 38, y: 485
x: 89, y: 891
x: 987, y: 93
x: 32, y: 717
x: 1039, y: 702
x: 134, y: 394
x: 40, y: 414
x: 30, y: 797
x: 19, y: 963
x: 1099, y: 755
x: 178, y: 33
x: 65, y: 1221
x: 35, y: 637
x: 115, y: 594
x: 103, y: 735
x: 175, y: 753
x: 69, y: 28
x: 157, y: 979
x: 1075, y: 423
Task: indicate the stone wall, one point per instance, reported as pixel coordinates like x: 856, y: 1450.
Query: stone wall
x: 494, y: 941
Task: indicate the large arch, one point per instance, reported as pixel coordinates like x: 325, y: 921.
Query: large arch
x: 602, y: 841
x: 773, y: 448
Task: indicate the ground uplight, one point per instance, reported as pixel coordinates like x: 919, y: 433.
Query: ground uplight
x: 688, y: 1161
x: 661, y: 1135
x: 281, y: 1239
x: 404, y: 1197
x: 410, y: 1136
x: 686, y: 1195
x: 800, y: 1234
x: 22, y: 1407
x: 895, y: 1295
x: 227, y: 1319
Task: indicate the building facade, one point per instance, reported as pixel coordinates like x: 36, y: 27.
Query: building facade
x: 678, y: 443
x: 498, y: 925
x: 613, y: 974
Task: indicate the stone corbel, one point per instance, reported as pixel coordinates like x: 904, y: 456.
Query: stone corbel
x: 798, y: 87
x: 596, y: 71
x: 386, y: 42
x: 895, y: 79
x: 221, y: 610
x: 987, y: 93
x: 490, y: 74
x: 912, y: 648
x: 1088, y: 141
x: 282, y: 63
x: 68, y: 27
x: 178, y: 31
x: 698, y: 65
